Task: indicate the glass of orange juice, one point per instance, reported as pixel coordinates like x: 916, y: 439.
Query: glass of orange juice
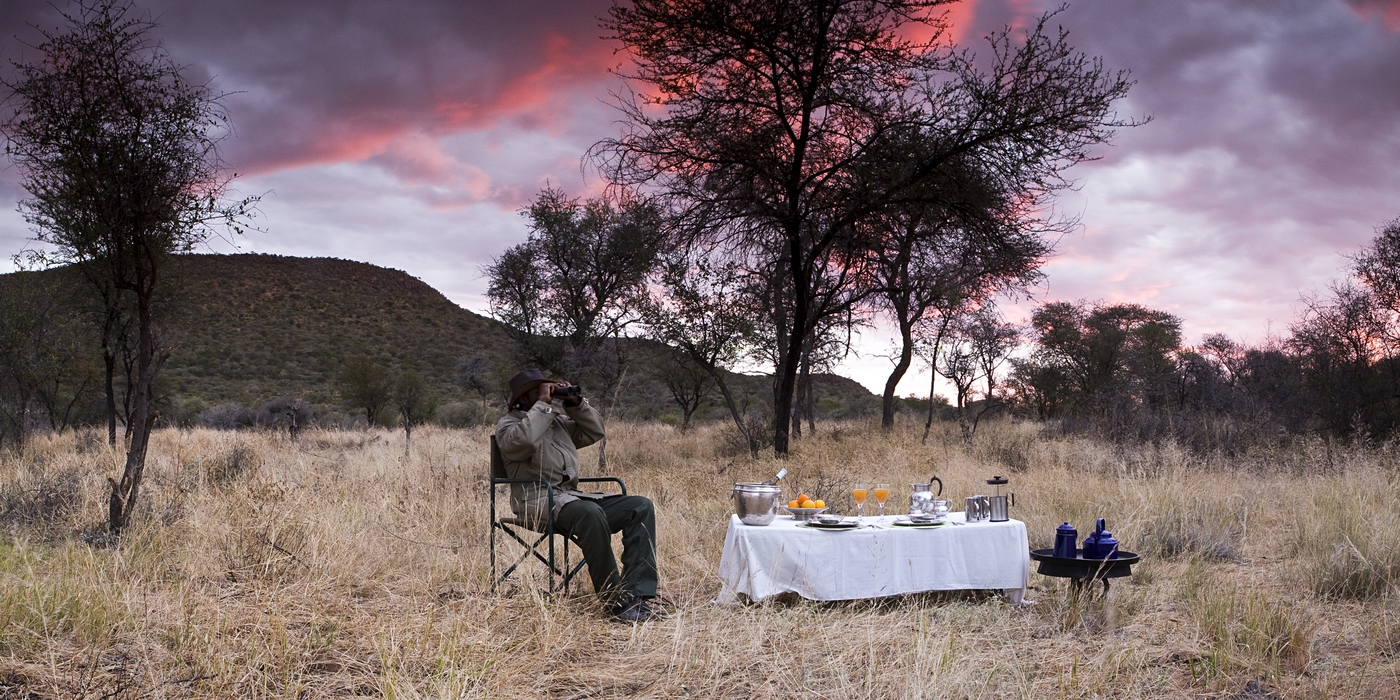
x: 882, y: 494
x: 859, y: 492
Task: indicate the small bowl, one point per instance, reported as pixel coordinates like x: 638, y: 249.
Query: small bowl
x: 923, y: 518
x: 828, y: 518
x: 803, y: 514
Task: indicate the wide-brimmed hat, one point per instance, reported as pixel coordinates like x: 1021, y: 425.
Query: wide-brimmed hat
x: 525, y: 381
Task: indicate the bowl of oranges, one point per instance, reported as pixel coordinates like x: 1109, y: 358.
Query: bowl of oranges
x: 804, y: 507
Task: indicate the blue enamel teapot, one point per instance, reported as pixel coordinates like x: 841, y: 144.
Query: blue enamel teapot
x: 1066, y: 539
x: 1100, y: 543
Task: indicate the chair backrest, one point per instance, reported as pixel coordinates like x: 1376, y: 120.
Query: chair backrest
x: 498, y: 463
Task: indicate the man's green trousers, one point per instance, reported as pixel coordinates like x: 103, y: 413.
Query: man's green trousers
x: 591, y: 524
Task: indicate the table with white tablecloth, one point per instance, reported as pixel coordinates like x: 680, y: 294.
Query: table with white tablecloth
x: 871, y: 562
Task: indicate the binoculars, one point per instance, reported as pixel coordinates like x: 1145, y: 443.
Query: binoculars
x: 565, y: 392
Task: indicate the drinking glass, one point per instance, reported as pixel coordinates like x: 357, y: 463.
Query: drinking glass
x: 859, y: 493
x: 882, y: 494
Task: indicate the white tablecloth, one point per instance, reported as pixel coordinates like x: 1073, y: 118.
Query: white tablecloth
x: 873, y: 562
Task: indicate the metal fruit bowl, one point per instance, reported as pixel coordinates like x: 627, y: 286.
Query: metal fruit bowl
x: 803, y: 514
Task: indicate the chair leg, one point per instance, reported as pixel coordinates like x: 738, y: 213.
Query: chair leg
x: 566, y: 574
x: 530, y: 548
x: 493, y: 523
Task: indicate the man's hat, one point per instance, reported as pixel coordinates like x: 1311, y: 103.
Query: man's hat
x: 523, y: 382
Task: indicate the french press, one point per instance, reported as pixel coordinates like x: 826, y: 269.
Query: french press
x: 999, y: 503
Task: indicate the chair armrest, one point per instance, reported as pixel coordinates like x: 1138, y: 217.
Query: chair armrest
x: 600, y: 479
x: 522, y: 481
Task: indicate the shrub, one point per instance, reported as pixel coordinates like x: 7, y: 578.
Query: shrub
x: 458, y: 415
x: 273, y: 414
x: 226, y: 416
x: 43, y: 500
x: 226, y: 466
x: 1211, y: 530
x: 1351, y: 543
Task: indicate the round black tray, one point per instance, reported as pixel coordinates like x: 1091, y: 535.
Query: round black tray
x: 1081, y: 568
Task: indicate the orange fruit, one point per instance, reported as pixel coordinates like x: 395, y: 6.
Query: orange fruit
x: 819, y: 503
x: 809, y: 504
x: 802, y: 497
x: 794, y: 504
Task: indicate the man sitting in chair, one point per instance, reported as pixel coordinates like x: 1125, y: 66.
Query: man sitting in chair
x: 538, y: 440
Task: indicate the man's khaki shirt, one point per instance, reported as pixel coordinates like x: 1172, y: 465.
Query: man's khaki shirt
x: 542, y: 443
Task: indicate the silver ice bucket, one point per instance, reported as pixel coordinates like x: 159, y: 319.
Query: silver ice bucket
x: 756, y: 504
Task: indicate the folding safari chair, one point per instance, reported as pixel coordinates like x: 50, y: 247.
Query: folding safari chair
x: 521, y: 529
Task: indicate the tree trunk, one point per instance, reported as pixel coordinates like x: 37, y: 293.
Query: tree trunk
x: 906, y: 358
x: 109, y: 361
x: 143, y: 415
x: 733, y: 409
x: 811, y: 408
x: 933, y: 370
x: 789, y: 357
x: 928, y: 422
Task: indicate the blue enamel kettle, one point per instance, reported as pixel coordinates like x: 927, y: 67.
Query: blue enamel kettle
x: 1066, y: 540
x: 1100, y: 543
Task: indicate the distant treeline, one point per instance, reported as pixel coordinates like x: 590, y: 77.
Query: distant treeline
x: 1124, y: 371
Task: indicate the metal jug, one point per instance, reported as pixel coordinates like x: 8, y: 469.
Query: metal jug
x: 976, y: 509
x: 921, y: 497
x: 999, y: 504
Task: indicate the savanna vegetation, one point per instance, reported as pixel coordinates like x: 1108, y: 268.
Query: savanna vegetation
x: 341, y: 565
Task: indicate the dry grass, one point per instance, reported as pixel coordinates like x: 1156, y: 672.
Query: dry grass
x: 339, y: 565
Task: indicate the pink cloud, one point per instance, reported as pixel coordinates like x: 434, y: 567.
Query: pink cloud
x: 1387, y: 11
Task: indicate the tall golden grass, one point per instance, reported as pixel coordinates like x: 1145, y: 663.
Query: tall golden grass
x: 344, y: 564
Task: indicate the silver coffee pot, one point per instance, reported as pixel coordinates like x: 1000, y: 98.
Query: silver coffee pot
x: 999, y: 504
x: 922, y: 497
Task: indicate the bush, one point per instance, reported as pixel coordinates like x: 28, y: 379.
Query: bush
x: 458, y: 415
x: 226, y: 416
x: 43, y: 500
x: 1211, y: 530
x: 1350, y: 543
x: 224, y: 467
x: 274, y: 413
x: 183, y: 412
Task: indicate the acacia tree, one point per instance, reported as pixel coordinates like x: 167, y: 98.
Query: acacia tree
x: 704, y: 308
x: 414, y: 400
x: 119, y: 155
x: 973, y: 346
x: 44, y: 366
x: 980, y: 239
x: 367, y: 385
x: 474, y: 374
x: 687, y: 382
x: 1109, y: 356
x: 765, y: 118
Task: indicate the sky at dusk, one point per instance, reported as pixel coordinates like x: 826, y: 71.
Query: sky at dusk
x: 409, y: 134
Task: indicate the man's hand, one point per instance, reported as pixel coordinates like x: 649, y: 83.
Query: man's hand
x: 570, y: 402
x: 545, y: 390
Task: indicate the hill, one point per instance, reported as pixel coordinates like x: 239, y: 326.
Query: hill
x: 251, y: 328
